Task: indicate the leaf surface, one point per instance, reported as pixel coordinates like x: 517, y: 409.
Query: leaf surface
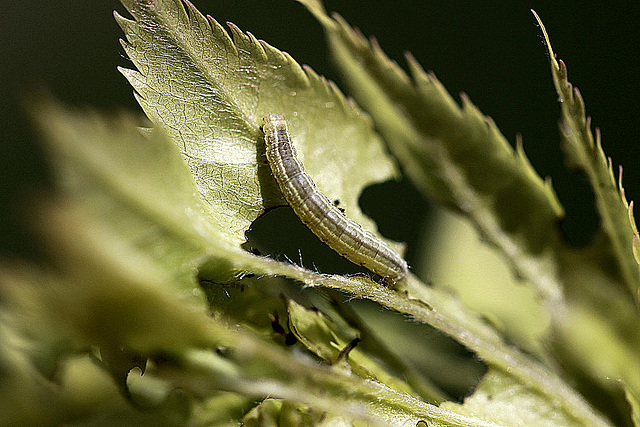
x: 210, y: 92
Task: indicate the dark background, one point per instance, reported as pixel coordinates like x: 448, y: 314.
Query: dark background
x: 492, y: 50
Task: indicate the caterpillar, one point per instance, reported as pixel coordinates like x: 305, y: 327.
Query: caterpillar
x: 322, y: 217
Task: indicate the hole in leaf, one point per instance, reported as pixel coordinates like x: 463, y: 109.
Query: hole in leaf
x: 400, y: 211
x: 280, y: 234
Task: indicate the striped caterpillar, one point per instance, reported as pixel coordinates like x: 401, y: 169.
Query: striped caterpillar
x: 315, y: 210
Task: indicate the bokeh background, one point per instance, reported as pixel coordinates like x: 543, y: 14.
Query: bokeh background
x: 492, y: 50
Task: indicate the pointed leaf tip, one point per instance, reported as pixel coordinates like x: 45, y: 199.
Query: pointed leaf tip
x: 209, y: 87
x: 546, y: 38
x: 433, y: 135
x: 585, y: 152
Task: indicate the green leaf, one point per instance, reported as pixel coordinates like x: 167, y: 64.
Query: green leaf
x: 298, y: 379
x: 129, y: 210
x: 323, y: 337
x: 210, y: 92
x: 615, y: 241
x: 153, y: 39
x: 603, y: 280
x: 484, y: 282
x: 115, y: 277
x: 272, y: 412
x: 634, y: 402
x: 111, y: 175
x: 454, y: 154
x: 503, y: 400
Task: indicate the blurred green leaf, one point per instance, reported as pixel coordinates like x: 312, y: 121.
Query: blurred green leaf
x: 634, y: 402
x: 602, y: 281
x: 614, y: 241
x: 503, y: 400
x: 332, y: 343
x: 135, y: 186
x: 271, y: 412
x: 454, y: 154
x: 123, y: 237
x: 484, y: 282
